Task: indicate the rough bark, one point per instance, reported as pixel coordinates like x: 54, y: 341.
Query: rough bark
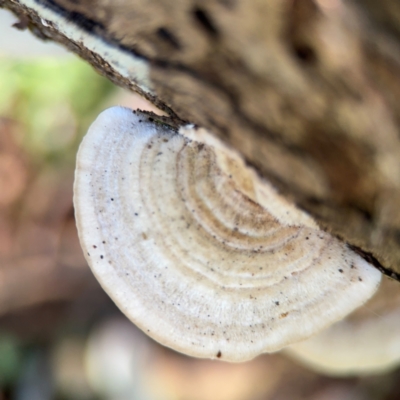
x: 308, y: 91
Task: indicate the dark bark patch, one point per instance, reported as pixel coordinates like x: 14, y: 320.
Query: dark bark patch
x: 204, y: 20
x: 305, y: 53
x: 168, y: 37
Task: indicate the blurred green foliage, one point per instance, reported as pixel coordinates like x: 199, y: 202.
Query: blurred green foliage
x: 10, y: 359
x: 53, y: 99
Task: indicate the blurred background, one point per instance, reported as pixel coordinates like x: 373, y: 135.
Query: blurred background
x: 60, y: 335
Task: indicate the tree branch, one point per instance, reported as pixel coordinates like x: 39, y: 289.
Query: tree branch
x: 308, y: 91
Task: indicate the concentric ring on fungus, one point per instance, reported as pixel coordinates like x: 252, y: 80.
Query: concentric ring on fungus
x: 199, y: 252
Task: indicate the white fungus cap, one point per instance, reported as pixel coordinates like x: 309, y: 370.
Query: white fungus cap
x: 197, y: 251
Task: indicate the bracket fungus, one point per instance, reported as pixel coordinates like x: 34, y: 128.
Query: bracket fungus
x: 197, y: 250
